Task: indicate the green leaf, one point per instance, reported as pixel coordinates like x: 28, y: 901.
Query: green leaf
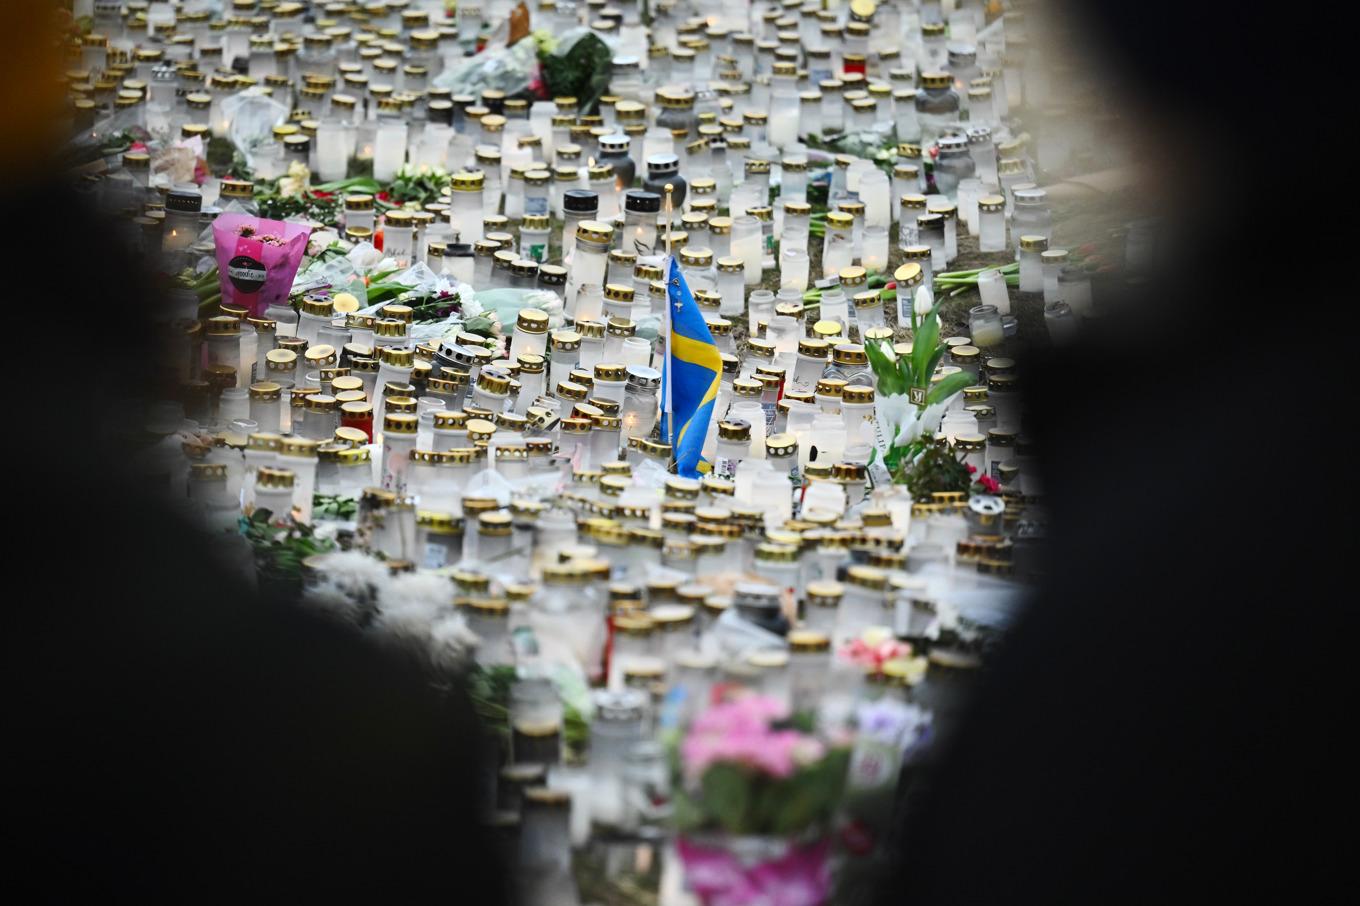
x: 906, y: 372
x: 811, y: 796
x: 887, y: 374
x: 948, y: 386
x: 924, y: 342
x: 726, y: 794
x: 686, y: 813
x: 932, y: 365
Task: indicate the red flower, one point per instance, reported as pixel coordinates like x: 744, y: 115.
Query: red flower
x: 989, y: 484
x: 537, y: 87
x: 317, y: 193
x: 383, y: 196
x: 858, y: 837
x: 971, y: 468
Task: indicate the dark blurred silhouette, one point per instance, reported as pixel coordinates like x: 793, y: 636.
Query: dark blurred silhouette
x: 1159, y: 725
x: 170, y: 735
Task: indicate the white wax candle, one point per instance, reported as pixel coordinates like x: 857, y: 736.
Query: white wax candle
x: 389, y: 150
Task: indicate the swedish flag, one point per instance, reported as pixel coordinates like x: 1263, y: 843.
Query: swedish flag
x: 693, y: 372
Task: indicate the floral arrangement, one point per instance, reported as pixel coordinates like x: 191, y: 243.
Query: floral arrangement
x: 875, y: 648
x: 910, y: 405
x: 280, y: 544
x: 291, y: 195
x: 749, y: 767
x: 755, y: 794
x: 983, y: 484
x: 938, y: 469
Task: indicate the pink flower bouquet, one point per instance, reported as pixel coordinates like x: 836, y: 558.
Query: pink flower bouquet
x: 872, y: 650
x: 257, y: 259
x: 754, y: 801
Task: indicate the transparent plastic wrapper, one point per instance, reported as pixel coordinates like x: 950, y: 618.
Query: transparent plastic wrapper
x: 507, y: 304
x: 176, y: 163
x: 336, y: 273
x: 510, y: 69
x: 731, y: 638
x: 422, y: 282
x: 253, y: 116
x: 257, y: 259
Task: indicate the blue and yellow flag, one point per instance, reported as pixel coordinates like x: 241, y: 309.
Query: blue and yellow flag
x: 693, y: 372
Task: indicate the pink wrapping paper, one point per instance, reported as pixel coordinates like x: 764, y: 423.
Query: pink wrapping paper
x: 257, y: 259
x: 799, y: 877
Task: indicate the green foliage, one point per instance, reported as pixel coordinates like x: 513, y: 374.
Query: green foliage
x: 334, y: 507
x: 727, y: 793
x: 434, y: 308
x: 280, y: 207
x: 489, y: 690
x: 322, y: 202
x: 118, y: 142
x: 580, y: 69
x: 421, y: 185
x: 361, y: 184
x: 221, y: 156
x: 740, y: 800
x: 482, y: 325
x: 911, y: 375
x: 949, y: 385
x: 280, y: 549
x: 937, y: 469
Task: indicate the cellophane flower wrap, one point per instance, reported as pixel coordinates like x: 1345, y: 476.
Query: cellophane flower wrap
x: 756, y: 791
x: 257, y: 259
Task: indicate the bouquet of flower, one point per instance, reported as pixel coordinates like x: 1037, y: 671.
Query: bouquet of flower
x: 292, y: 195
x: 755, y: 794
x: 257, y: 259
x: 874, y: 648
x: 909, y: 404
x: 983, y: 484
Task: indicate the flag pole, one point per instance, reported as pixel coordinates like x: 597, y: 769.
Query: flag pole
x: 670, y: 376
